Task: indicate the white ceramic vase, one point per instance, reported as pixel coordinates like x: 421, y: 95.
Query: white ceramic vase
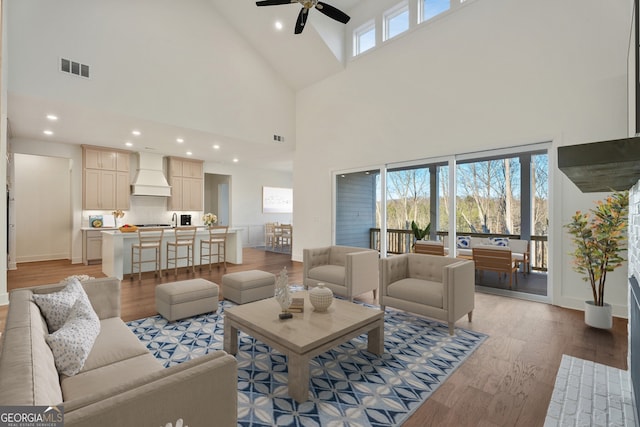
x: 320, y: 297
x: 598, y: 316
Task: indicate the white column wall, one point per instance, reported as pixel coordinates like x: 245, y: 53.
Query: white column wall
x: 494, y: 74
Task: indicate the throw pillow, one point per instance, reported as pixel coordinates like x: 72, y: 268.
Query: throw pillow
x: 463, y: 242
x: 72, y: 343
x: 56, y: 306
x: 499, y: 241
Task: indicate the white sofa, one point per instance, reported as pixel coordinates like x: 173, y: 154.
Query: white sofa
x: 121, y: 383
x: 348, y: 271
x: 439, y: 287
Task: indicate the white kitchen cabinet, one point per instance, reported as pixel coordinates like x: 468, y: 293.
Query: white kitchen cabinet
x: 99, y: 189
x: 95, y: 158
x: 192, y: 194
x: 105, y: 179
x: 186, y: 178
x: 92, y: 247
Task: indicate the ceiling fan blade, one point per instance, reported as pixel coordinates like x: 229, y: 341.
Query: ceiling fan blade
x: 302, y: 19
x: 332, y: 12
x: 274, y: 2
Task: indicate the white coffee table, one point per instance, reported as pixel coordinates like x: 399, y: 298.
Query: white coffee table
x: 306, y: 335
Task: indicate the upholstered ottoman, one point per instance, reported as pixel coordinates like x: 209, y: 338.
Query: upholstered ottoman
x: 177, y: 300
x: 247, y: 286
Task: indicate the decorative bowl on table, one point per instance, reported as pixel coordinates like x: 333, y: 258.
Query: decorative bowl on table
x: 320, y: 297
x: 128, y: 228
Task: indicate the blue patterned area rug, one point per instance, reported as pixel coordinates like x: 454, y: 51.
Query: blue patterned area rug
x: 349, y: 385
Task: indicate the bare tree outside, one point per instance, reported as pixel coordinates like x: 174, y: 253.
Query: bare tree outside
x: 408, y: 193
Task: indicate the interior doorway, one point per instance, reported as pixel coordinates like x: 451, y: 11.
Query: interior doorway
x: 217, y: 196
x: 43, y: 218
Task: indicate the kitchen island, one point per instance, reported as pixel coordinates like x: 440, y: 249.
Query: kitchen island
x: 116, y: 251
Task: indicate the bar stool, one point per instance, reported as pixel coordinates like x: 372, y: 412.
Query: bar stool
x: 185, y: 237
x: 217, y: 238
x: 148, y: 238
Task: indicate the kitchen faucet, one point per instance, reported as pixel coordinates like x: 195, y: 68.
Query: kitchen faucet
x: 174, y: 220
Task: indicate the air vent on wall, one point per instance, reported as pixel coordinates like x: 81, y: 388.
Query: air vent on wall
x: 73, y: 67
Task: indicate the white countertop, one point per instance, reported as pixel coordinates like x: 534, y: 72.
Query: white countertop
x: 116, y: 232
x: 97, y: 228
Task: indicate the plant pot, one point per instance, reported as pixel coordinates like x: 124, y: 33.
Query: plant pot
x: 598, y: 316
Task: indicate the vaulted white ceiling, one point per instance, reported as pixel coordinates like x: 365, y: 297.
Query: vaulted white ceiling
x: 299, y: 60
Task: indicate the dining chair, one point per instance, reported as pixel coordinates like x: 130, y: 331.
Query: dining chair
x: 148, y: 238
x: 217, y: 238
x: 285, y: 236
x: 270, y: 234
x: 184, y: 237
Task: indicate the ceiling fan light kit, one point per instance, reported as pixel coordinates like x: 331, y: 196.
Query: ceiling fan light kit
x: 324, y: 8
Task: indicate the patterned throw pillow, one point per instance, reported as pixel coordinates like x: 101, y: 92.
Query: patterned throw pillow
x: 56, y: 306
x: 499, y: 241
x: 464, y: 242
x: 72, y: 343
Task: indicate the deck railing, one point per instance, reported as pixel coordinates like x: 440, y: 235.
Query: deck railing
x: 400, y: 241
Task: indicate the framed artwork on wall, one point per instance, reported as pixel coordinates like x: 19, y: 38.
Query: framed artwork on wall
x: 277, y: 200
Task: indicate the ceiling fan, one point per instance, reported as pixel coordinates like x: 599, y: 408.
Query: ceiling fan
x: 324, y: 8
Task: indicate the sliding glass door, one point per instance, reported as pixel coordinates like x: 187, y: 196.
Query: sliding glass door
x: 495, y: 194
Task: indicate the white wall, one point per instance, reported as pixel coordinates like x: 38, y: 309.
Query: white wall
x: 43, y: 220
x: 496, y: 73
x: 4, y: 296
x: 173, y: 62
x: 73, y: 154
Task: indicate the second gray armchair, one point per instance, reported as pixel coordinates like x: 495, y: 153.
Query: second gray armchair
x: 348, y: 271
x: 435, y: 286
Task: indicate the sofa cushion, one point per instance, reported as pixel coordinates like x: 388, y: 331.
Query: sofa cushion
x: 115, y: 342
x: 72, y: 343
x: 27, y: 371
x: 56, y: 306
x: 423, y: 292
x: 338, y: 255
x: 519, y: 246
x: 328, y: 273
x: 109, y: 376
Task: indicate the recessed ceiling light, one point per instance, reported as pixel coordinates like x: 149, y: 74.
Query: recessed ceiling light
x: 179, y: 140
x: 135, y: 132
x: 128, y: 144
x: 52, y: 117
x: 189, y: 153
x: 48, y: 132
x: 235, y: 160
x: 278, y: 25
x: 216, y: 147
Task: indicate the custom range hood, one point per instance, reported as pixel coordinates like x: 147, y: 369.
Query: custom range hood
x: 150, y: 180
x: 602, y: 166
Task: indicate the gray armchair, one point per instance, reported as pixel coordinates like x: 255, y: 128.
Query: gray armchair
x: 439, y: 287
x: 347, y: 271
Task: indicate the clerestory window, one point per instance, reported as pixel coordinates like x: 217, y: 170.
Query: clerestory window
x: 396, y: 21
x: 364, y: 38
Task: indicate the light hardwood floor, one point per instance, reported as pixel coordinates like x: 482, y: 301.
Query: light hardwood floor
x: 507, y: 382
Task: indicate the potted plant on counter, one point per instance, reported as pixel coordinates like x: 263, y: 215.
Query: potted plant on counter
x: 600, y: 236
